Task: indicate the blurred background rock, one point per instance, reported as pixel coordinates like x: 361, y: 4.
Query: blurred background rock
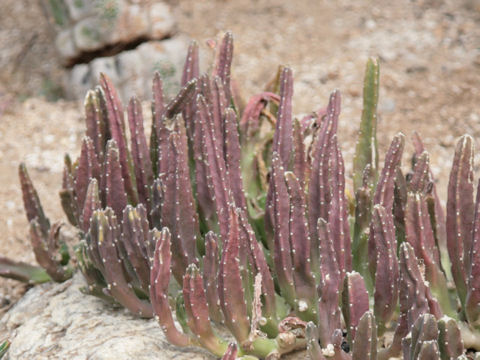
x: 126, y: 39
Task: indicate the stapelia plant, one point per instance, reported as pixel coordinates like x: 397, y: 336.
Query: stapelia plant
x: 48, y: 246
x: 237, y: 218
x: 401, y: 244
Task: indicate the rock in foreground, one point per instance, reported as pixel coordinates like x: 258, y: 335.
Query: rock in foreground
x: 57, y: 321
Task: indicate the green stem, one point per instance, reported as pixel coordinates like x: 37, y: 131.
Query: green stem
x: 23, y: 272
x: 282, y: 344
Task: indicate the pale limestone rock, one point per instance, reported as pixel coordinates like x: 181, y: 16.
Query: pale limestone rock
x: 132, y: 79
x: 127, y: 62
x: 79, y: 9
x: 132, y: 71
x: 78, y: 81
x: 106, y: 66
x: 121, y: 39
x: 94, y: 25
x: 161, y: 20
x: 130, y: 25
x: 57, y: 321
x: 88, y: 34
x: 65, y: 44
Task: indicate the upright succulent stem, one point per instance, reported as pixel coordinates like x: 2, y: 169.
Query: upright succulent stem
x: 116, y: 125
x: 386, y: 276
x: 230, y: 289
x: 318, y: 193
x: 159, y: 280
x: 365, y: 343
x: 355, y: 302
x: 472, y: 302
x: 366, y: 153
x: 460, y: 214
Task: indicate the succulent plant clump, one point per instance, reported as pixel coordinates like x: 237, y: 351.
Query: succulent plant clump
x: 237, y: 218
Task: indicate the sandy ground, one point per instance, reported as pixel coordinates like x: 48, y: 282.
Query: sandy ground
x: 430, y: 70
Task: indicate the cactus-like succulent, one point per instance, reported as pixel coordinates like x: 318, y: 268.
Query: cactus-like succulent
x: 50, y: 250
x: 229, y: 217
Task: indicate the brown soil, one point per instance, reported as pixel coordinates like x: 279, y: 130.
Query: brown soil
x: 429, y: 52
